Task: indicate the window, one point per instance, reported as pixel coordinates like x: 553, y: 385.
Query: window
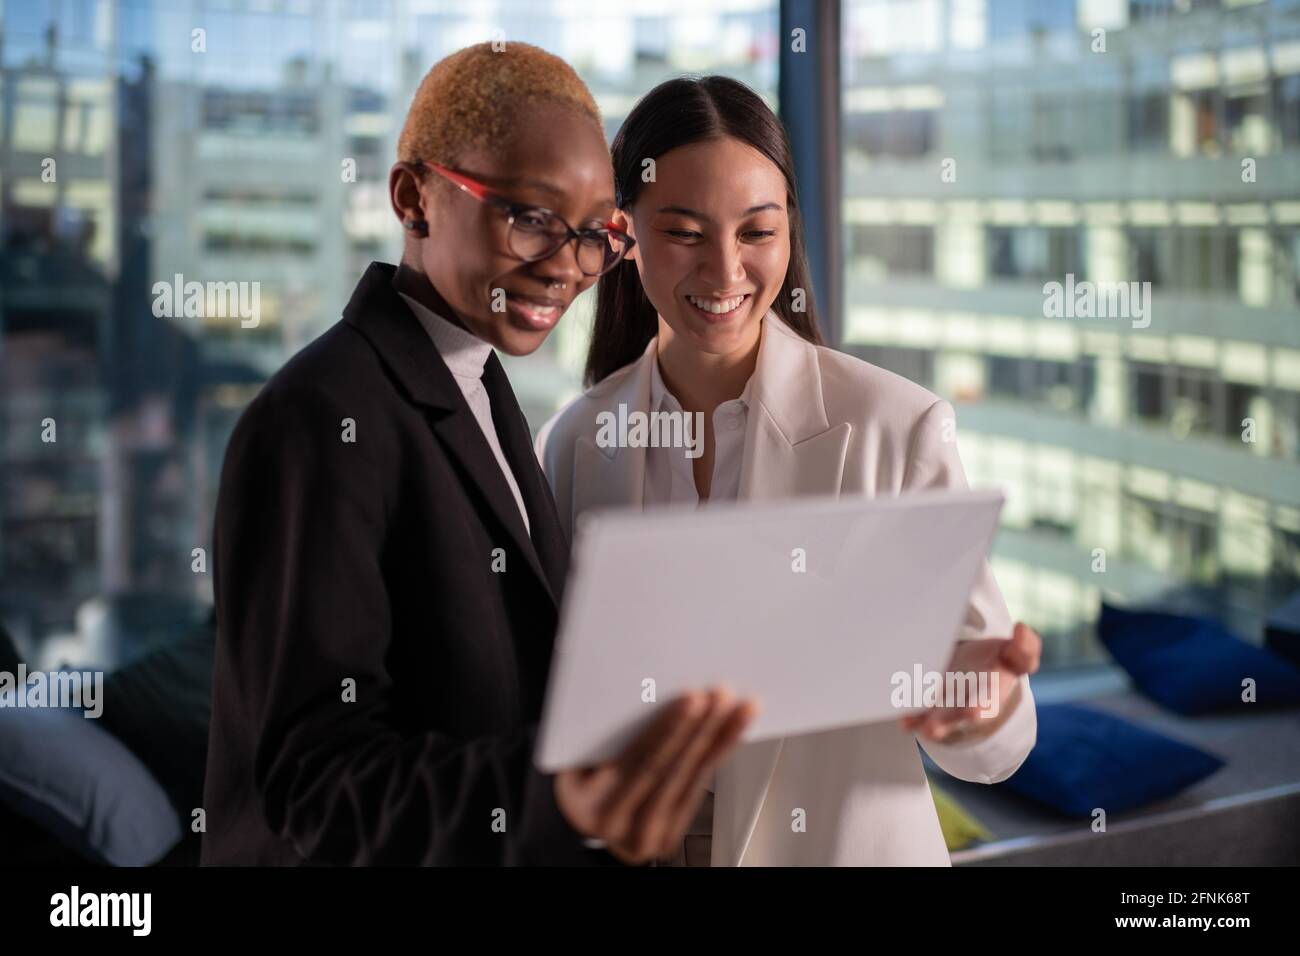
x: 1034, y: 253
x: 1116, y: 168
x: 879, y: 251
x: 234, y: 166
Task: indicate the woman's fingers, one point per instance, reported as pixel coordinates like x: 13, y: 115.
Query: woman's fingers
x: 657, y: 778
x: 938, y: 722
x: 1019, y: 654
x: 940, y: 726
x: 1022, y: 652
x: 675, y: 804
x: 656, y: 817
x: 644, y: 762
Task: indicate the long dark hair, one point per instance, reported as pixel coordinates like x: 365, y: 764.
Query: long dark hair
x: 676, y: 113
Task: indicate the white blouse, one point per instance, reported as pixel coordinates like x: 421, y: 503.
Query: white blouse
x: 669, y: 478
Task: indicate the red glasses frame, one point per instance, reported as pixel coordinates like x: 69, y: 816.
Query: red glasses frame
x: 514, y: 210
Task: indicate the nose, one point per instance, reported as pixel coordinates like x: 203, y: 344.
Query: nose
x: 561, y: 266
x: 722, y: 266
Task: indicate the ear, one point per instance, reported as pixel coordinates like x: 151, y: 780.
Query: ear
x: 405, y: 194
x: 624, y: 222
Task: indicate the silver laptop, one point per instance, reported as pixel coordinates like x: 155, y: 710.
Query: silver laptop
x: 812, y: 605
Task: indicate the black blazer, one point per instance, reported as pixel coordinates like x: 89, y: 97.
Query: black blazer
x: 377, y: 683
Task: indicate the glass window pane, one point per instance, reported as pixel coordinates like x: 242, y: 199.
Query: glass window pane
x: 1073, y: 147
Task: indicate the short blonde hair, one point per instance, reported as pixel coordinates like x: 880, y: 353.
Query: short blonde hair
x: 471, y: 98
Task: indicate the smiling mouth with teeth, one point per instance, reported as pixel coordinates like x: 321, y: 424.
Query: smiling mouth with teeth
x: 541, y: 315
x: 537, y: 308
x: 718, y: 306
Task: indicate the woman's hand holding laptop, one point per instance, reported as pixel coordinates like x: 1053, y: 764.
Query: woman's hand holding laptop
x: 1008, y: 658
x: 641, y: 802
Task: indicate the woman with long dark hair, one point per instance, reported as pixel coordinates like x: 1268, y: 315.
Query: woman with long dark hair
x: 712, y: 316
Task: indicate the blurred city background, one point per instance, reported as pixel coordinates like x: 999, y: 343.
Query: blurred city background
x: 1172, y: 451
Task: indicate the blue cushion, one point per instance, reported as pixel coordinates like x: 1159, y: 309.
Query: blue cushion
x: 1191, y: 665
x: 1086, y: 759
x: 63, y: 771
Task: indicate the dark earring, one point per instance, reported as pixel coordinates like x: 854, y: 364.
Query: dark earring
x: 418, y: 226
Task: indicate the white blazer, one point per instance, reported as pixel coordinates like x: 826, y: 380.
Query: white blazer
x: 820, y: 423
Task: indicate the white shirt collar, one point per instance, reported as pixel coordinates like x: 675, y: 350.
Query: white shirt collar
x: 465, y: 354
x: 658, y: 390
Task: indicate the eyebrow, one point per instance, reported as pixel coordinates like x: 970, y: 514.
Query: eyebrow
x: 682, y: 210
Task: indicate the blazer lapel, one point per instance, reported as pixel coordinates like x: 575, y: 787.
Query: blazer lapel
x: 615, y: 477
x: 790, y: 450
x: 379, y: 314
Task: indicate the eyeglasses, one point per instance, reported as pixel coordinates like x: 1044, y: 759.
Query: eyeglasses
x: 537, y: 233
